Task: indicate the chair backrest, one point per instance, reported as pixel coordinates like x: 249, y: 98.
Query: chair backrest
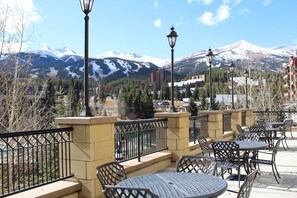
x: 261, y: 123
x: 204, y: 145
x: 226, y: 151
x: 123, y: 192
x: 196, y: 164
x: 239, y: 128
x: 276, y: 147
x: 110, y: 174
x: 247, y: 136
x: 287, y: 124
x: 246, y: 187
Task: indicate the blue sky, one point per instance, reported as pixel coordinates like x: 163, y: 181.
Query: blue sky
x: 141, y: 26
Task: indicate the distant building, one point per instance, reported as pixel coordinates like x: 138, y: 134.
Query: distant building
x: 195, y: 80
x: 290, y: 76
x: 157, y: 78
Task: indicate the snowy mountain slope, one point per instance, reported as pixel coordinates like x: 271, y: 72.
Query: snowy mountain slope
x: 134, y: 57
x: 64, y: 62
x: 243, y: 53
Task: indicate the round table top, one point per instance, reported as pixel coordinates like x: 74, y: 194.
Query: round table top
x: 251, y: 145
x: 179, y: 185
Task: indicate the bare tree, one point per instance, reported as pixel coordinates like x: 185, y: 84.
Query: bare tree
x: 22, y: 99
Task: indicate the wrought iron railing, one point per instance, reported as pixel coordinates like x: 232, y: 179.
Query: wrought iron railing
x: 134, y: 139
x: 277, y: 116
x: 243, y: 118
x: 195, y: 123
x: 227, y: 121
x: 30, y: 159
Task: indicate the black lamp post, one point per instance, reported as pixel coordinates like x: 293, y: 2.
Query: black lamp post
x: 209, y: 56
x: 231, y: 67
x: 246, y: 74
x: 172, y: 36
x: 86, y: 6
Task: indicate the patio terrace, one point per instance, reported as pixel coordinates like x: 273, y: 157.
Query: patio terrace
x: 93, y: 142
x: 265, y: 184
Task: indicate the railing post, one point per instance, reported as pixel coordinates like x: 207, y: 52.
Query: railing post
x: 250, y: 117
x: 138, y: 142
x: 214, y: 125
x: 93, y: 145
x: 177, y: 132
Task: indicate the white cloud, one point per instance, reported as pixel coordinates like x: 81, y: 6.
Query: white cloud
x: 17, y: 11
x: 18, y: 15
x: 223, y: 13
x: 208, y: 18
x: 158, y: 23
x: 267, y: 2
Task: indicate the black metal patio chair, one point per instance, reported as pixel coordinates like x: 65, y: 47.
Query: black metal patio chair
x: 110, y: 174
x: 247, y: 136
x: 228, y: 157
x: 196, y: 164
x: 286, y: 127
x: 246, y: 188
x: 204, y: 145
x: 271, y: 161
x: 264, y: 135
x: 127, y: 192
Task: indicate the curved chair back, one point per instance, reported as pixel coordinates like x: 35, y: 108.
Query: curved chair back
x: 246, y: 187
x: 110, y: 174
x: 247, y: 136
x: 204, y: 145
x: 239, y: 128
x: 117, y: 191
x: 196, y: 164
x: 226, y: 151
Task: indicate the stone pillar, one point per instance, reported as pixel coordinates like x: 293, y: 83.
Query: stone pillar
x: 236, y: 118
x: 214, y: 125
x: 250, y: 118
x: 177, y: 132
x: 93, y: 145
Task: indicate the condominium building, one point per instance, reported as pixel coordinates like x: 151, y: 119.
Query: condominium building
x: 290, y: 76
x: 157, y: 78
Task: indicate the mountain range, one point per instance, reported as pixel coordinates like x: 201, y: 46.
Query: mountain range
x: 64, y: 62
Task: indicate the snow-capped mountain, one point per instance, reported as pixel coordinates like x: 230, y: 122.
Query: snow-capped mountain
x: 64, y: 62
x: 242, y: 53
x: 134, y: 57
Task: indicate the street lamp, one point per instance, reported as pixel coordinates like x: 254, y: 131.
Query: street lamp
x: 231, y: 67
x: 246, y: 74
x: 209, y: 56
x: 86, y: 6
x: 172, y: 36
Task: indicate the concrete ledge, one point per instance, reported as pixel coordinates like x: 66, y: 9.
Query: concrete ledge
x: 228, y: 135
x: 56, y: 189
x: 149, y: 163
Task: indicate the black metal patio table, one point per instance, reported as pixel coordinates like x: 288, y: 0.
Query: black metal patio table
x: 178, y: 185
x: 251, y: 145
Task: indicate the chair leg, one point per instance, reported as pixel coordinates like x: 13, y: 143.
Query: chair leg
x: 238, y: 177
x: 274, y: 171
x: 286, y: 142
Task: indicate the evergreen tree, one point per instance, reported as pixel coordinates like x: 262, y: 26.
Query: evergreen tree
x: 192, y: 108
x: 196, y: 93
x: 188, y: 92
